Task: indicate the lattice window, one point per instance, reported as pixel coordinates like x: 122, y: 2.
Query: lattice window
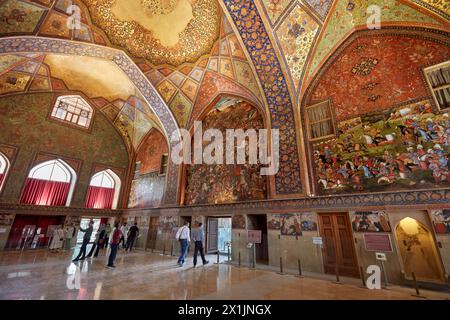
x: 74, y: 110
x: 320, y: 121
x: 438, y: 78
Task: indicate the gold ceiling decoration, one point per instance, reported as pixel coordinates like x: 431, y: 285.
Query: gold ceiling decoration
x: 162, y: 31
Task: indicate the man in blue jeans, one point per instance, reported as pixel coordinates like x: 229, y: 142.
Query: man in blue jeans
x: 184, y: 238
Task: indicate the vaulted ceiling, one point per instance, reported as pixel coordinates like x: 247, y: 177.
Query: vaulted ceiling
x: 194, y: 50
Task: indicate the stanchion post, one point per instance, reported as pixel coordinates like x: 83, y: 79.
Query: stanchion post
x: 164, y: 248
x: 338, y: 279
x: 363, y: 279
x: 171, y: 249
x: 218, y: 258
x: 300, y: 273
x: 239, y: 259
x: 281, y: 267
x: 416, y: 287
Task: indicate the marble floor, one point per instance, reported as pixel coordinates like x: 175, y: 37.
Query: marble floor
x: 144, y: 275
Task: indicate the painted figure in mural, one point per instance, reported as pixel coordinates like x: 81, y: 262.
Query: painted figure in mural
x: 227, y: 183
x: 372, y: 155
x: 370, y: 222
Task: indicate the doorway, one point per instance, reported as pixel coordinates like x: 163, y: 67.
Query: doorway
x: 218, y: 234
x: 338, y: 249
x: 259, y: 222
x: 32, y: 232
x: 152, y: 233
x: 418, y: 251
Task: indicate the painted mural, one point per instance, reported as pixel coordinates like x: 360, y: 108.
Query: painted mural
x: 6, y: 219
x: 441, y: 221
x: 370, y: 221
x: 227, y: 183
x: 293, y: 223
x: 289, y: 224
x: 167, y: 223
x: 402, y: 148
x: 147, y: 191
x: 238, y: 222
x: 357, y: 79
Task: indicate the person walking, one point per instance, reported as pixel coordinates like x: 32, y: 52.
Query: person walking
x: 96, y: 243
x: 101, y: 240
x: 108, y: 230
x: 124, y: 239
x: 184, y: 238
x: 115, y: 240
x: 198, y: 235
x: 86, y: 238
x: 133, y: 233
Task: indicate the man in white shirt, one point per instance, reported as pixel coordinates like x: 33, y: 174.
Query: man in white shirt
x: 184, y: 238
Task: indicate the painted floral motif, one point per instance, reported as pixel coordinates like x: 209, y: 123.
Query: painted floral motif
x: 296, y: 35
x: 254, y: 35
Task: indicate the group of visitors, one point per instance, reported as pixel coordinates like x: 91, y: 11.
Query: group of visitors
x: 62, y: 238
x: 198, y: 236
x: 105, y: 236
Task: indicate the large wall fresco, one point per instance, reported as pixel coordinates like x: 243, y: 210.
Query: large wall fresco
x: 377, y: 72
x: 147, y: 189
x: 25, y: 124
x: 406, y: 147
x: 227, y: 183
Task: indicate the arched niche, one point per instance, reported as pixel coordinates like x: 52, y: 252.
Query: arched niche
x: 221, y: 183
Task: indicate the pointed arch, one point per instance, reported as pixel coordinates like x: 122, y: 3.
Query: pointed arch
x: 104, y: 190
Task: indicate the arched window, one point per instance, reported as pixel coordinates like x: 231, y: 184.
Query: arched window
x: 4, y: 166
x: 50, y: 183
x: 103, y: 190
x: 74, y: 110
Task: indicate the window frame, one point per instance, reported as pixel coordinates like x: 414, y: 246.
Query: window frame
x: 69, y: 168
x: 427, y: 72
x: 6, y: 171
x: 65, y: 122
x: 331, y: 118
x: 117, y: 185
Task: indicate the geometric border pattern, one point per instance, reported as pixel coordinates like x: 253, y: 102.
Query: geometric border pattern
x: 261, y: 50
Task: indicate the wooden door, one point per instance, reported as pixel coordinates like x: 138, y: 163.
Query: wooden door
x: 338, y: 248
x: 152, y: 233
x: 212, y: 240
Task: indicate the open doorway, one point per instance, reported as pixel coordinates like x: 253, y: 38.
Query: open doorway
x: 259, y: 222
x: 218, y: 234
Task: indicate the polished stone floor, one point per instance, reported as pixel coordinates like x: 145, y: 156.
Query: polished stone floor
x: 143, y: 275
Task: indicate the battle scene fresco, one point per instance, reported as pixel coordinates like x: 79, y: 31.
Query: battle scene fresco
x: 370, y: 221
x: 441, y: 221
x: 289, y: 224
x: 227, y: 183
x: 402, y: 148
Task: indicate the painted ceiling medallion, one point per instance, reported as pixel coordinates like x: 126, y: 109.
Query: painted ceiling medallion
x: 162, y: 31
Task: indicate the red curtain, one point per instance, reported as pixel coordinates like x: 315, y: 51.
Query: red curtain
x: 99, y: 198
x: 45, y: 193
x: 1, y: 179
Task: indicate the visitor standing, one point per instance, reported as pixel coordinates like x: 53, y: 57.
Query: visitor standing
x: 124, y: 238
x: 115, y: 240
x: 108, y: 230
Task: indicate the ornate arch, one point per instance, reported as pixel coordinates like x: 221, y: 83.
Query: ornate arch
x: 27, y: 44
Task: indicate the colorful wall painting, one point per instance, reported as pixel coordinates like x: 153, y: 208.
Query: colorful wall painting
x: 370, y: 221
